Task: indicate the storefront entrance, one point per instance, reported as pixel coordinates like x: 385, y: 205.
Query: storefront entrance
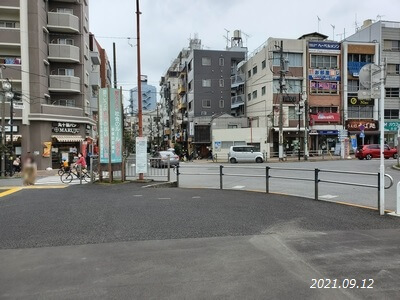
x: 63, y: 150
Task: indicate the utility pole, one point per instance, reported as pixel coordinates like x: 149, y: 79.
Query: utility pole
x: 306, y: 122
x: 115, y: 66
x: 158, y: 126
x: 3, y: 128
x: 281, y: 88
x: 140, y: 113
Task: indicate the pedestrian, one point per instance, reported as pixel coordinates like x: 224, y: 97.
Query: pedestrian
x: 17, y: 164
x: 29, y: 170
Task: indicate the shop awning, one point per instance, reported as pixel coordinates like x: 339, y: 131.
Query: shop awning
x: 68, y: 138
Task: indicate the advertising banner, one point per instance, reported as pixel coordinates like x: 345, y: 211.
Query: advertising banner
x: 104, y: 141
x: 46, y: 149
x: 392, y: 126
x: 141, y: 155
x: 323, y: 47
x: 324, y: 74
x: 368, y: 125
x: 355, y: 101
x: 325, y: 117
x: 116, y: 126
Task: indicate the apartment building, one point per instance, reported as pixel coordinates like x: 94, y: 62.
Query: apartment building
x: 359, y: 112
x: 149, y: 97
x: 203, y: 91
x: 52, y: 67
x: 262, y: 88
x: 386, y: 34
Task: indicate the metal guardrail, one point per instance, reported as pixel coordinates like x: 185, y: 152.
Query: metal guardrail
x: 317, y: 180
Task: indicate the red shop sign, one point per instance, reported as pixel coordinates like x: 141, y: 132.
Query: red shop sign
x: 325, y: 117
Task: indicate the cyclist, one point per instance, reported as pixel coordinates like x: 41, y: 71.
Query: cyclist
x: 80, y: 162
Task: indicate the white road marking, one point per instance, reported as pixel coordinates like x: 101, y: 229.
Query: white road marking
x: 164, y: 198
x: 137, y: 195
x: 329, y: 196
x: 238, y: 186
x: 196, y: 197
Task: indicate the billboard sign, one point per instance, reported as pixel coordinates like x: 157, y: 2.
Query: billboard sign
x: 324, y: 74
x: 141, y: 155
x: 355, y: 101
x: 115, y: 126
x: 104, y: 136
x: 354, y: 125
x: 323, y: 47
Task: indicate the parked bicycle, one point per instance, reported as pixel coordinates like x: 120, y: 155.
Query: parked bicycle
x: 69, y: 175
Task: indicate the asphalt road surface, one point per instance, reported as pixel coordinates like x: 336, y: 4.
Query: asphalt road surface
x: 126, y: 242
x: 327, y: 191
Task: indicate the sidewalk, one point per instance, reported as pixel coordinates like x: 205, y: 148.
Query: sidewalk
x: 274, y: 159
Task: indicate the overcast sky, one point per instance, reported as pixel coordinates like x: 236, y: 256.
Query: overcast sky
x: 166, y: 25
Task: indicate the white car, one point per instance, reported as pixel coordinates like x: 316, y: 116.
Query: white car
x: 244, y: 154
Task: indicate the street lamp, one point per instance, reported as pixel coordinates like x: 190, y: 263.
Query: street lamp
x: 8, y: 96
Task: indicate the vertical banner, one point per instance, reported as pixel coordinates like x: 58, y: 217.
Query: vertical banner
x: 141, y: 155
x: 104, y: 141
x: 116, y: 126
x: 353, y: 142
x: 46, y: 149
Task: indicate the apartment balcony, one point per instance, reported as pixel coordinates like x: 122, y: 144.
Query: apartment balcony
x: 63, y: 22
x: 64, y: 84
x: 182, y: 105
x: 181, y: 89
x: 237, y: 80
x: 9, y: 37
x: 64, y: 53
x: 12, y: 72
x: 237, y: 101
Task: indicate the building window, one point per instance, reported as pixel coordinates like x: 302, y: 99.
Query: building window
x: 294, y: 59
x: 392, y: 92
x: 368, y: 58
x: 65, y: 41
x: 206, y: 103
x: 324, y: 62
x: 206, y: 82
x: 255, y: 70
x: 86, y: 78
x: 353, y: 86
x: 66, y: 72
x: 324, y: 109
x: 65, y: 102
x: 293, y: 115
x: 292, y: 86
x: 248, y: 96
x: 263, y: 64
x: 65, y: 10
x: 221, y: 83
x: 221, y: 103
x: 393, y: 69
x: 255, y: 94
x: 8, y: 24
x: 263, y: 90
x: 221, y: 61
x: 360, y: 112
x: 392, y: 45
x: 190, y: 85
x: 206, y: 61
x: 249, y: 73
x: 231, y: 126
x: 324, y: 87
x: 391, y: 113
x: 190, y: 65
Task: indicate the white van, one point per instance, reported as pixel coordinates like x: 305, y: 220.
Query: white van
x: 244, y: 154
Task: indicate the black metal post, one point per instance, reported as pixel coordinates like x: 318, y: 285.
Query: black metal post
x: 91, y: 169
x: 177, y: 175
x: 379, y: 190
x: 316, y: 181
x: 298, y: 132
x: 267, y: 179
x: 220, y: 177
x: 169, y: 168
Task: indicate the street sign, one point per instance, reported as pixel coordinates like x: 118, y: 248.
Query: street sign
x: 362, y: 127
x: 362, y: 134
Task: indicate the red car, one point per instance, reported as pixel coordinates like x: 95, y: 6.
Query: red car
x: 373, y: 151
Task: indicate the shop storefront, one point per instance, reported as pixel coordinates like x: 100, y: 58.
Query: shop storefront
x: 324, y: 131
x: 367, y: 131
x: 391, y: 132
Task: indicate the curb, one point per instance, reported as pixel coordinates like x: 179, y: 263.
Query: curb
x: 171, y: 184
x: 395, y: 167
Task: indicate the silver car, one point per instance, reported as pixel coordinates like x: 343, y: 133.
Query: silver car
x: 160, y: 159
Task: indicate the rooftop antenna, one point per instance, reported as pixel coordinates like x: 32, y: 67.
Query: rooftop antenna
x: 246, y: 35
x: 333, y: 32
x: 319, y: 20
x: 226, y: 37
x: 379, y: 17
x: 356, y: 23
x: 340, y: 36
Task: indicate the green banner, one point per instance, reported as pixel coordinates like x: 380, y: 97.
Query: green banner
x: 392, y: 126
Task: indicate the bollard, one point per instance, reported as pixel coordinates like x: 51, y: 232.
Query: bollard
x: 80, y: 174
x: 91, y: 169
x: 316, y: 181
x: 379, y: 190
x: 169, y: 169
x: 220, y: 177
x: 267, y: 179
x: 177, y: 175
